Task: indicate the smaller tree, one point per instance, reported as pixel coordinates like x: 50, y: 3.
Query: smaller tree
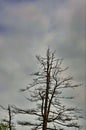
x: 8, y: 122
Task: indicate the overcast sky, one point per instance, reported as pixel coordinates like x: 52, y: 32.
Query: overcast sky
x: 27, y: 28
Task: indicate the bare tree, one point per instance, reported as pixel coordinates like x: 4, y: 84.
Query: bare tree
x: 8, y: 121
x: 46, y: 91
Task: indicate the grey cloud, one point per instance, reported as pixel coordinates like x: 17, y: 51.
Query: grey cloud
x: 70, y: 41
x: 2, y: 29
x: 71, y: 50
x: 24, y: 27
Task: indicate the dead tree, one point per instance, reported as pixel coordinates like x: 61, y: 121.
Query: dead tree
x: 46, y: 91
x: 8, y: 121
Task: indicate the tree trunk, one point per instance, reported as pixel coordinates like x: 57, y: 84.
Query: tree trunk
x: 45, y: 118
x: 10, y: 127
x: 44, y: 124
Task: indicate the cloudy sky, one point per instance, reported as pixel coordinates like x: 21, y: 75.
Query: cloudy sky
x: 27, y: 28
